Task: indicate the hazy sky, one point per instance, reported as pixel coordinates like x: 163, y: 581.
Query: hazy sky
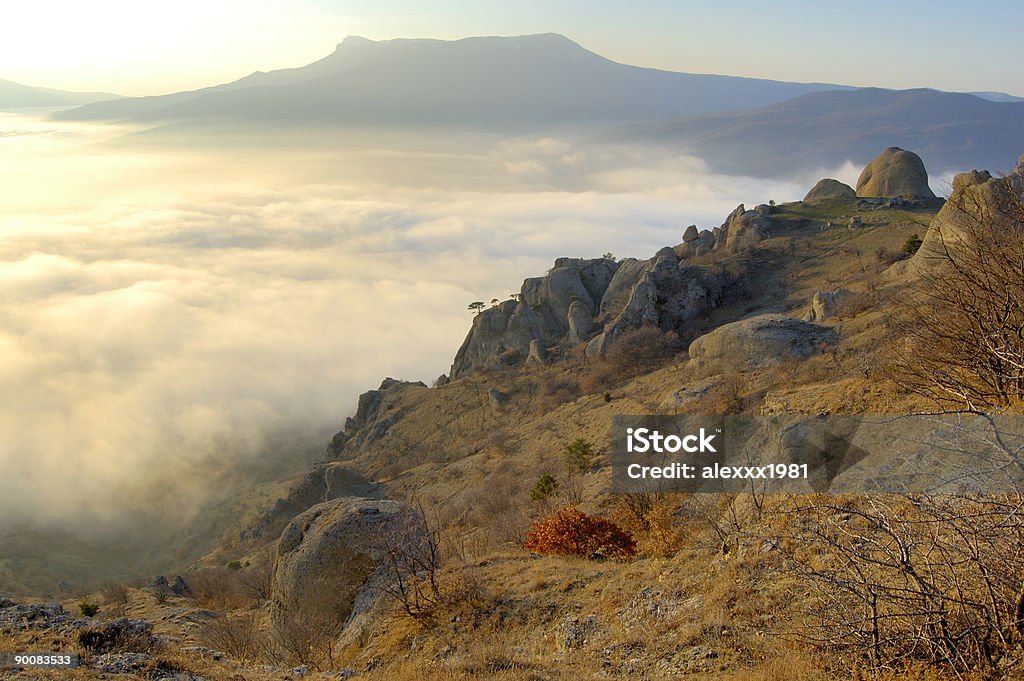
x: 136, y: 47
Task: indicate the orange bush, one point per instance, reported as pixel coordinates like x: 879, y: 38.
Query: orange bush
x: 570, y: 532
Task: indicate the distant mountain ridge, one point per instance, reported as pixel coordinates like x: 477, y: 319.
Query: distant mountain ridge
x: 491, y: 82
x: 950, y: 131
x: 546, y: 82
x: 17, y: 96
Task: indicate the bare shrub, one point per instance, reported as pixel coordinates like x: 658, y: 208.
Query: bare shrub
x: 651, y: 519
x: 600, y: 377
x: 493, y: 506
x: 642, y: 350
x: 236, y: 635
x: 254, y: 581
x: 115, y: 594
x: 302, y: 639
x: 217, y: 588
x: 912, y: 578
x: 412, y: 561
x: 554, y: 391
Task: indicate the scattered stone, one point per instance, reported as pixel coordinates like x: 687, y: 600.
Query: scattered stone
x: 680, y: 397
x: 203, y: 651
x: 575, y: 631
x: 35, y: 616
x: 856, y: 222
x: 122, y: 663
x: 895, y: 172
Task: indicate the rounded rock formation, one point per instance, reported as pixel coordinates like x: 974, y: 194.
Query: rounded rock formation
x: 830, y: 190
x: 894, y: 172
x: 756, y: 342
x: 330, y: 559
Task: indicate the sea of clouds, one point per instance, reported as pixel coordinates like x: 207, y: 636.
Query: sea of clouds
x: 168, y: 305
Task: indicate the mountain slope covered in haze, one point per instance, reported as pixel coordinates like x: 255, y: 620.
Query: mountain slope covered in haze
x: 491, y: 82
x: 822, y: 129
x: 15, y: 96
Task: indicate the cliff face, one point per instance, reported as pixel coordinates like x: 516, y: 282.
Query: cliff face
x: 588, y: 301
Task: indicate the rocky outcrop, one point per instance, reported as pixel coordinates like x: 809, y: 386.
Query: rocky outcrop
x: 665, y: 293
x: 744, y: 228
x: 895, y: 172
x: 830, y: 190
x: 541, y: 313
x: 690, y: 234
x: 374, y: 416
x: 329, y: 563
x: 757, y: 342
x: 703, y: 243
x: 592, y: 302
x: 978, y: 202
x: 826, y: 304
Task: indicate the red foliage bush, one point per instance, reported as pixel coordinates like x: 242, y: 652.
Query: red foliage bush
x: 570, y: 532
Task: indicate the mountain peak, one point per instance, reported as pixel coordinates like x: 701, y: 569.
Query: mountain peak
x: 355, y: 40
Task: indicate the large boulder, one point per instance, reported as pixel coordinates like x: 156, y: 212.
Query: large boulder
x: 895, y: 172
x: 827, y: 304
x: 830, y: 190
x: 977, y: 203
x: 331, y: 560
x: 757, y: 342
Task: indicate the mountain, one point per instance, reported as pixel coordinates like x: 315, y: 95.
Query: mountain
x: 950, y: 131
x: 15, y: 96
x: 997, y: 96
x: 489, y: 82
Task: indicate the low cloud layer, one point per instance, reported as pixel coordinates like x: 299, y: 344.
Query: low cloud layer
x: 163, y: 311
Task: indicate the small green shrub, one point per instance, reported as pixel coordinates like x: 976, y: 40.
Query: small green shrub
x: 570, y: 532
x: 88, y: 609
x: 579, y: 454
x: 234, y: 565
x: 545, y: 486
x: 911, y: 245
x: 607, y: 396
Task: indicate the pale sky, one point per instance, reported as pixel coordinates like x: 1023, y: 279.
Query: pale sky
x: 140, y: 47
